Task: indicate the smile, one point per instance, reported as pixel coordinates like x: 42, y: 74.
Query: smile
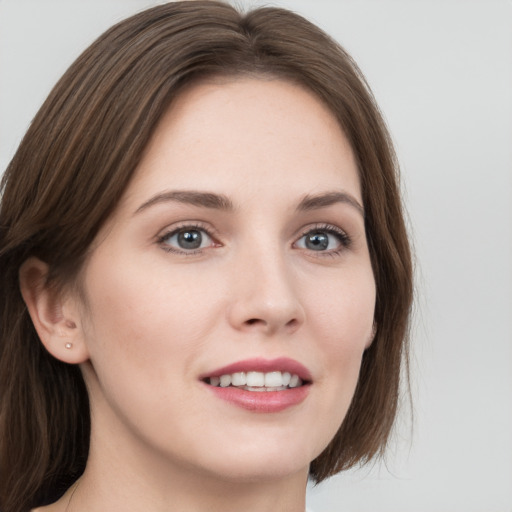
x: 261, y: 385
x: 257, y: 381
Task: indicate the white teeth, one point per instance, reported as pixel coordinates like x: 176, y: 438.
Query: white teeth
x: 264, y: 388
x: 255, y: 379
x: 294, y: 381
x: 239, y: 379
x: 225, y: 381
x: 273, y: 379
x: 258, y: 381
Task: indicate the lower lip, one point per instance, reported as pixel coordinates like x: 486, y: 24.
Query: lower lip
x: 261, y: 401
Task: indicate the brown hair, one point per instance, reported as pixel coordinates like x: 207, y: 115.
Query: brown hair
x: 73, y: 166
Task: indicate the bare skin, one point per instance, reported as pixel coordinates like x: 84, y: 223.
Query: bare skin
x: 280, y: 270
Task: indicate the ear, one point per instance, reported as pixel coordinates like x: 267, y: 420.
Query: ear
x: 55, y: 314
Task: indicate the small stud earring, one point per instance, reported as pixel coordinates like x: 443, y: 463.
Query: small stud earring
x: 69, y: 345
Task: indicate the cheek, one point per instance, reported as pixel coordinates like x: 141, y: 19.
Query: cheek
x: 129, y: 323
x: 340, y: 319
x: 342, y: 309
x: 144, y: 308
x: 146, y: 326
x: 142, y: 334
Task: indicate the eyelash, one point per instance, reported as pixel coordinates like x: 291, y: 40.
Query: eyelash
x: 344, y: 240
x: 161, y: 240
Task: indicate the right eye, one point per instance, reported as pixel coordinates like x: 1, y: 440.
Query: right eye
x: 186, y: 239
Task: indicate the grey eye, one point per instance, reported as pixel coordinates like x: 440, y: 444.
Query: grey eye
x: 327, y: 240
x: 188, y: 239
x: 317, y: 241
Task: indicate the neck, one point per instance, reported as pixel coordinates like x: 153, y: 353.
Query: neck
x: 125, y: 475
x: 220, y: 498
x: 135, y: 490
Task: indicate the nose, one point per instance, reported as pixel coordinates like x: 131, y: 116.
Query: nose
x: 265, y: 295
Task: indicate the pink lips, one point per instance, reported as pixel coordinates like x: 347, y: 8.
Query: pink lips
x: 264, y: 401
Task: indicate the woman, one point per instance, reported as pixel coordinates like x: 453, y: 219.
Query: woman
x: 207, y: 278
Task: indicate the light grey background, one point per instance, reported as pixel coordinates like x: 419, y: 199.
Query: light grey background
x: 442, y: 73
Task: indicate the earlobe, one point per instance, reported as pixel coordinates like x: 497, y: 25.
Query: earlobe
x: 55, y: 314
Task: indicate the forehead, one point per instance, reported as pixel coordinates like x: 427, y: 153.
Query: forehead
x: 240, y: 136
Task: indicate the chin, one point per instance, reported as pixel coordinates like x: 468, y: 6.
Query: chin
x: 264, y: 458
x: 260, y: 471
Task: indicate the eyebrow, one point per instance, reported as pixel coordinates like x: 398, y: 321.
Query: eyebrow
x: 322, y: 200
x: 222, y: 202
x: 204, y: 199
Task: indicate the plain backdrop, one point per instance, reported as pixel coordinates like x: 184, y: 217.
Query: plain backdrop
x: 442, y: 73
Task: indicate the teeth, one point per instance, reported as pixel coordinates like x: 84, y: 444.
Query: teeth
x: 263, y: 388
x: 273, y: 379
x: 239, y: 379
x: 258, y: 381
x: 294, y: 381
x: 255, y: 379
x: 225, y: 381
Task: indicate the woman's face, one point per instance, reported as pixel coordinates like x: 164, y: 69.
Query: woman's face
x: 237, y: 254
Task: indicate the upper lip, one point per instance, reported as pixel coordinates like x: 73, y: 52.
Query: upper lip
x: 281, y: 364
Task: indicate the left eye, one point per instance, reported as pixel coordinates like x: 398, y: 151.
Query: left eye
x: 321, y: 240
x: 187, y: 239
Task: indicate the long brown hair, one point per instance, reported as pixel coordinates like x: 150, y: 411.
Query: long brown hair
x: 73, y: 166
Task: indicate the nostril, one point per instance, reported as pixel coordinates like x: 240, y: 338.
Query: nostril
x: 253, y: 321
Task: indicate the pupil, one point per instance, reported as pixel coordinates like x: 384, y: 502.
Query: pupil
x: 190, y: 239
x: 317, y: 241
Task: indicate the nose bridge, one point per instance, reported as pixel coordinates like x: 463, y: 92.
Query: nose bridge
x: 266, y: 298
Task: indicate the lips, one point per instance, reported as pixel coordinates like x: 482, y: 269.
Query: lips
x: 261, y: 385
